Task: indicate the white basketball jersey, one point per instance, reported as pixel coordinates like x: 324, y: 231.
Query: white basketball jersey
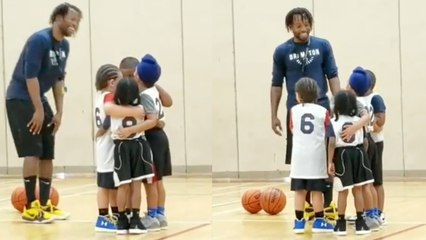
x: 104, y: 144
x: 366, y: 101
x: 155, y: 95
x: 339, y: 125
x: 308, y: 124
x: 118, y: 123
x: 377, y: 136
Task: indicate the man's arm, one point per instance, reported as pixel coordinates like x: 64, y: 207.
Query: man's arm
x: 34, y: 52
x: 330, y: 69
x: 334, y: 85
x: 278, y: 74
x: 58, y: 95
x: 166, y: 99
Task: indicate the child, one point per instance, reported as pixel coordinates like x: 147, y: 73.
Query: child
x: 359, y: 84
x: 106, y: 78
x: 350, y: 167
x: 132, y: 157
x: 379, y: 110
x: 308, y: 123
x: 151, y: 92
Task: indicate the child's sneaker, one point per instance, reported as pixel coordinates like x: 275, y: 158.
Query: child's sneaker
x: 151, y: 224
x: 361, y: 227
x: 340, y: 228
x: 383, y: 219
x: 163, y: 221
x: 56, y: 212
x: 36, y: 215
x: 299, y: 226
x: 321, y: 225
x: 330, y: 213
x: 308, y: 213
x: 106, y: 224
x: 371, y: 222
x: 136, y: 226
x: 122, y: 225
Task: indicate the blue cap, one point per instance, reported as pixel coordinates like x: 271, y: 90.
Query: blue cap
x: 149, y: 71
x: 359, y: 81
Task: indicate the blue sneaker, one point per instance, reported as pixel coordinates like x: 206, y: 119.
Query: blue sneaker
x: 106, y: 224
x: 320, y: 225
x: 299, y: 226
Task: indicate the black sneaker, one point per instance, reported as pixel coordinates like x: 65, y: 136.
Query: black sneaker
x: 136, y: 226
x: 122, y: 225
x: 340, y: 228
x: 361, y: 227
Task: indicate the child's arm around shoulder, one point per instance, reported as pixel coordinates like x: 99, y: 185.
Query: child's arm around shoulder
x: 118, y: 111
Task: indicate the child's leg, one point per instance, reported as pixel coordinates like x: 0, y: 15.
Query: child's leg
x: 129, y: 202
x: 319, y: 224
x: 151, y: 198
x: 299, y: 203
x: 113, y: 201
x: 380, y: 196
x: 161, y: 192
x: 103, y: 200
x: 360, y: 225
x: 122, y: 193
x: 135, y: 198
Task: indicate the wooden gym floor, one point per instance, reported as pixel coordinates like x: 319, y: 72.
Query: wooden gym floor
x: 199, y: 209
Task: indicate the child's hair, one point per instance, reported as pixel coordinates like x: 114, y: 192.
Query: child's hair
x: 372, y: 78
x: 129, y: 63
x: 345, y: 104
x: 127, y: 93
x: 105, y: 73
x: 308, y: 90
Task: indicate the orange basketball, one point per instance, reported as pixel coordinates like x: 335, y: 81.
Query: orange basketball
x: 19, y: 198
x: 251, y: 201
x: 273, y: 200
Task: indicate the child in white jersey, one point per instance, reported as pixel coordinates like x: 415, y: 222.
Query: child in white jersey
x: 132, y: 161
x: 309, y: 123
x: 350, y: 167
x: 106, y: 78
x: 379, y: 111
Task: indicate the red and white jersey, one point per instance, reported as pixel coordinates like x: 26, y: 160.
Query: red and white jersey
x: 342, y: 123
x: 366, y: 102
x: 308, y: 123
x: 153, y: 93
x: 104, y: 145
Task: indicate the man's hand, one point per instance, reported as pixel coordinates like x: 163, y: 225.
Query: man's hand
x: 36, y: 123
x: 56, y: 122
x: 276, y: 126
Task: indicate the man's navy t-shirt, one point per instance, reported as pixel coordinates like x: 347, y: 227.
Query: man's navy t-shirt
x: 42, y: 57
x: 293, y: 61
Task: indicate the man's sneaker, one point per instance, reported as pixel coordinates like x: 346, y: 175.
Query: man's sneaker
x: 383, y: 219
x: 106, y: 224
x: 321, y: 225
x: 36, y: 215
x: 136, y: 226
x: 308, y: 212
x: 340, y: 228
x: 151, y: 224
x: 372, y: 223
x: 361, y: 227
x: 56, y: 212
x: 122, y: 225
x: 299, y: 226
x: 163, y: 221
x: 330, y: 213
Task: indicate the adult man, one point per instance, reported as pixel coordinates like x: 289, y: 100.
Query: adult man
x: 302, y: 56
x: 41, y: 66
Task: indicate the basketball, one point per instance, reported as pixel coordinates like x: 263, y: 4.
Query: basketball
x: 19, y: 197
x: 273, y: 200
x: 251, y: 201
